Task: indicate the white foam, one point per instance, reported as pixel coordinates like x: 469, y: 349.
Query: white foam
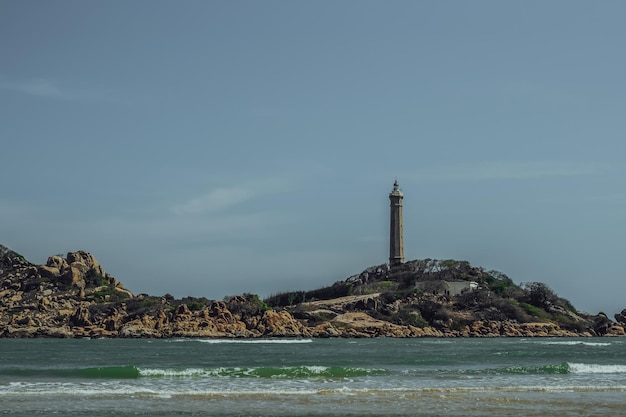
x: 122, y: 390
x: 578, y: 342
x: 246, y: 341
x: 316, y: 369
x: 67, y: 388
x: 172, y: 372
x: 587, y: 368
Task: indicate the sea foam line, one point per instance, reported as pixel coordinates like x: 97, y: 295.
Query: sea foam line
x: 246, y: 341
x: 588, y: 368
x: 578, y: 342
x: 124, y: 391
x: 286, y: 372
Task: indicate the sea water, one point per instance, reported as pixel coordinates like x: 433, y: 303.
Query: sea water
x: 313, y: 377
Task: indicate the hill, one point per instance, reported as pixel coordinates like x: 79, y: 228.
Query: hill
x: 73, y: 296
x: 451, y: 296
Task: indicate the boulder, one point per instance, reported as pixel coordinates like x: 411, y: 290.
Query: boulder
x: 615, y: 330
x: 76, y: 274
x: 58, y: 263
x: 126, y: 293
x: 138, y: 330
x: 602, y: 324
x: 182, y: 312
x: 81, y: 317
x: 86, y: 258
x: 281, y: 324
x: 49, y: 272
x: 62, y: 332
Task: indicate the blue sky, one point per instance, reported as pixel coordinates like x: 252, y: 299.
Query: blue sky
x: 210, y: 148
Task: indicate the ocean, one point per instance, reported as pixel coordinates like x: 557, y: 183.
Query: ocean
x: 313, y: 377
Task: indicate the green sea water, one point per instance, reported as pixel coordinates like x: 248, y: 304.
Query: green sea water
x: 311, y: 377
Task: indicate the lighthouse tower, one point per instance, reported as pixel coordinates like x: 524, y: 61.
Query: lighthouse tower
x: 396, y: 239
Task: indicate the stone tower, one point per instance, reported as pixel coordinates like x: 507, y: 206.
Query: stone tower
x: 396, y: 238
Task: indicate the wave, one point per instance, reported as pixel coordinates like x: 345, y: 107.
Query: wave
x: 132, y: 372
x: 586, y: 368
x: 116, y: 372
x: 300, y: 372
x: 260, y: 391
x: 245, y: 341
x: 287, y: 372
x: 577, y: 342
x: 555, y: 369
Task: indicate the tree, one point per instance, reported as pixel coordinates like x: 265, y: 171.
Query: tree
x: 540, y: 295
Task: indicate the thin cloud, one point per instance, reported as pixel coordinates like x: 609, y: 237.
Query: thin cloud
x: 494, y: 171
x: 215, y: 200
x: 49, y: 89
x: 222, y: 198
x: 38, y: 87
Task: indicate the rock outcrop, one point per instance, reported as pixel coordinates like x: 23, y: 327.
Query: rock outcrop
x: 73, y: 296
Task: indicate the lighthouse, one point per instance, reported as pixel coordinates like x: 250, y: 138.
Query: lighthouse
x: 396, y: 239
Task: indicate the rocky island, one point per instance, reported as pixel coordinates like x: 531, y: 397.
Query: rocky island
x: 73, y: 296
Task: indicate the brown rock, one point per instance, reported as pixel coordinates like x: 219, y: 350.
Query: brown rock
x: 281, y: 324
x: 20, y: 332
x: 616, y: 330
x: 87, y: 259
x: 75, y: 274
x: 49, y: 272
x: 182, y: 312
x: 58, y: 332
x: 324, y: 330
x: 58, y: 263
x: 81, y: 317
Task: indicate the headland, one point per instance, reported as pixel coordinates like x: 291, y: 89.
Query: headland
x: 73, y: 296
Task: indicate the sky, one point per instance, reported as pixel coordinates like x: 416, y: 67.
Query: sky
x: 212, y: 148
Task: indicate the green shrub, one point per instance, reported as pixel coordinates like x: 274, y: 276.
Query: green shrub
x: 246, y: 305
x: 260, y: 304
x: 340, y: 289
x: 410, y: 315
x: 102, y: 293
x: 195, y: 305
x: 567, y: 305
x: 93, y: 279
x: 569, y: 323
x: 534, y: 311
x: 499, y: 287
x: 150, y: 302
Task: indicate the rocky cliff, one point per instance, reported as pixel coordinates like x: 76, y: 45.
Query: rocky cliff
x: 73, y: 296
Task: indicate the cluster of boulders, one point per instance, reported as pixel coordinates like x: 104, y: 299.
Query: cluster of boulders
x: 215, y: 320
x: 73, y: 296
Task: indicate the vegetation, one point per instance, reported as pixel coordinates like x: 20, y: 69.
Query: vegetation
x: 418, y: 290
x: 246, y: 305
x: 340, y: 289
x: 93, y: 279
x: 445, y: 294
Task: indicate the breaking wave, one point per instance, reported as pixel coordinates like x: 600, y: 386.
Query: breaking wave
x: 577, y: 342
x: 585, y: 368
x: 561, y: 368
x: 300, y: 372
x: 131, y: 372
x: 245, y: 341
x: 288, y: 372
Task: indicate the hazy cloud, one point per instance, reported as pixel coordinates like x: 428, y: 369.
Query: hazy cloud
x: 49, y: 89
x: 38, y: 87
x: 222, y: 198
